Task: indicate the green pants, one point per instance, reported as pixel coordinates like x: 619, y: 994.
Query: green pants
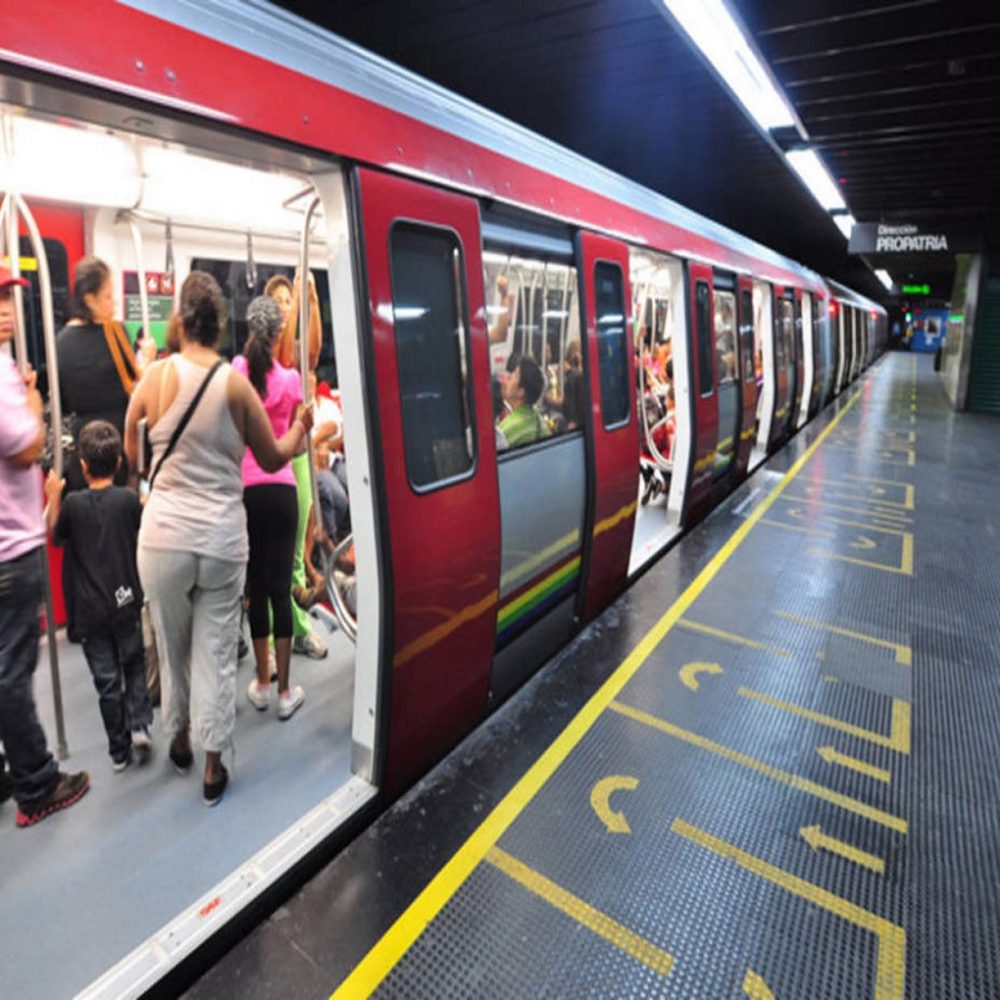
x: 303, y: 493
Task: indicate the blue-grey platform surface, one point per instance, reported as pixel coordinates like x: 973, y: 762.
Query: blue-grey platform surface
x: 805, y: 767
x: 79, y: 891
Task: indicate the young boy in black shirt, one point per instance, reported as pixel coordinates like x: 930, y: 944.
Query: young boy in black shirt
x: 99, y: 527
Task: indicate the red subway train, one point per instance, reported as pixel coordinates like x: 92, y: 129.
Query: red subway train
x: 546, y: 371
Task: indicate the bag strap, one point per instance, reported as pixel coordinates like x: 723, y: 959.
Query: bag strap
x: 119, y: 349
x: 183, y: 422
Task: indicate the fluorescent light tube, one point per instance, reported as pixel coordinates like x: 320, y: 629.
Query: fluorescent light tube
x: 885, y: 278
x: 719, y: 38
x: 845, y: 223
x: 813, y: 174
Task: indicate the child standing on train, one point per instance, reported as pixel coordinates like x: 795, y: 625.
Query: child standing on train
x: 99, y: 526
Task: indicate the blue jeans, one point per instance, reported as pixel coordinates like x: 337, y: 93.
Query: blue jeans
x: 118, y: 665
x: 33, y: 769
x: 333, y: 499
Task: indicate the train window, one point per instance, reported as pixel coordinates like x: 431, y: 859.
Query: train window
x: 238, y: 291
x: 703, y: 333
x: 429, y: 316
x: 787, y: 350
x: 534, y: 327
x: 612, y: 344
x: 725, y: 336
x: 746, y: 337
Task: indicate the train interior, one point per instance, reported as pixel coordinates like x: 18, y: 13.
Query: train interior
x: 140, y: 849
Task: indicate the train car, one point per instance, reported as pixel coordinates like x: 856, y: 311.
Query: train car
x: 450, y: 247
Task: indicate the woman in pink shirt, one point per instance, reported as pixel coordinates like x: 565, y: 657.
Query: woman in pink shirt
x: 272, y: 512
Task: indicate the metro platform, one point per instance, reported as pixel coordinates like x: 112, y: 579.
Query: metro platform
x: 771, y: 769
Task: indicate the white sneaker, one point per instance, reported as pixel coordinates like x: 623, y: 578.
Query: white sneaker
x: 142, y: 743
x: 309, y: 645
x: 290, y: 702
x: 260, y: 697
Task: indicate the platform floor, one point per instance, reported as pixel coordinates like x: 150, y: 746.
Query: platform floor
x: 770, y: 770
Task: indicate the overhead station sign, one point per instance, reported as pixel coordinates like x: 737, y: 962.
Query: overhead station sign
x: 912, y: 238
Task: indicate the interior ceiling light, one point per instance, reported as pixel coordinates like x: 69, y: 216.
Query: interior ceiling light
x: 885, y: 278
x: 719, y: 38
x: 814, y: 175
x: 845, y: 223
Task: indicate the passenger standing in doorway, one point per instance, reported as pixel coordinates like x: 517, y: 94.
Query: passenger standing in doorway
x: 193, y: 540
x: 34, y: 779
x: 272, y: 512
x: 99, y: 527
x: 288, y: 296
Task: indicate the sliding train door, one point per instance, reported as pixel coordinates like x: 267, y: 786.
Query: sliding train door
x: 748, y: 380
x: 706, y: 403
x: 441, y: 509
x: 610, y: 361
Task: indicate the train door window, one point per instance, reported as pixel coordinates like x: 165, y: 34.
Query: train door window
x: 532, y: 313
x: 725, y: 337
x: 746, y: 337
x: 787, y: 332
x: 55, y: 251
x: 612, y: 344
x: 703, y: 327
x: 429, y: 315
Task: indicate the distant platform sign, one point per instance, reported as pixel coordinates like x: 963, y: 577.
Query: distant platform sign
x: 913, y: 238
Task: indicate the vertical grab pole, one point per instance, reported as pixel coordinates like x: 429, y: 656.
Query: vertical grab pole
x: 140, y: 271
x: 345, y: 619
x: 55, y: 416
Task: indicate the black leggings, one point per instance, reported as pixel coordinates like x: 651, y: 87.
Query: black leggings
x: 272, y: 518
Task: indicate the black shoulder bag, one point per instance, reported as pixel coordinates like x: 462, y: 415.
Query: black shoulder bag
x: 183, y: 422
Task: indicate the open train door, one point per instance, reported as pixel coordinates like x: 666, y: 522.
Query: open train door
x: 748, y: 379
x: 610, y: 360
x: 440, y: 504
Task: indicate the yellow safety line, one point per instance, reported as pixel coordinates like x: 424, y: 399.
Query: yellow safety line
x: 583, y: 913
x: 903, y: 652
x: 391, y: 947
x: 800, y: 784
x: 890, y: 967
x: 891, y: 517
x: 905, y: 567
x: 899, y: 738
x: 755, y: 988
x: 741, y: 640
x: 815, y: 532
x: 852, y: 524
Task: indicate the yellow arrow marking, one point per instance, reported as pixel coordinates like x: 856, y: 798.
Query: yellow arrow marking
x: 600, y: 801
x: 833, y: 756
x: 898, y: 739
x: 818, y: 840
x: 688, y: 671
x: 890, y: 963
x: 863, y: 543
x: 755, y: 987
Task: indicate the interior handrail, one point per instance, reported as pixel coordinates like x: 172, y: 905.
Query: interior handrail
x: 345, y: 619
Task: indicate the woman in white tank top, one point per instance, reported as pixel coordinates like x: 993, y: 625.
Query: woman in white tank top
x: 193, y: 542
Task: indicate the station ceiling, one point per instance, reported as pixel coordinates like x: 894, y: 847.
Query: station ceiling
x: 901, y: 98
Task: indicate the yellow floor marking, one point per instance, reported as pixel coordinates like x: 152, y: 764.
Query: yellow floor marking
x: 815, y: 532
x: 899, y: 733
x: 833, y: 756
x: 890, y: 516
x: 818, y: 840
x: 583, y: 913
x: 740, y: 640
x: 838, y: 493
x: 905, y: 566
x: 600, y: 801
x: 689, y: 670
x: 890, y: 969
x: 800, y: 784
x: 903, y: 653
x: 391, y: 947
x: 755, y: 987
x: 796, y: 513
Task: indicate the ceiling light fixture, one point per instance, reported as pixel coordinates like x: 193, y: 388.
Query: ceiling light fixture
x: 845, y: 222
x: 885, y: 278
x: 807, y: 164
x: 723, y: 42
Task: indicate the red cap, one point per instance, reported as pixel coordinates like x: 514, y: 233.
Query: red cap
x: 7, y: 279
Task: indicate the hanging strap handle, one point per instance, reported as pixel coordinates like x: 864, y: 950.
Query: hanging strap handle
x: 183, y: 422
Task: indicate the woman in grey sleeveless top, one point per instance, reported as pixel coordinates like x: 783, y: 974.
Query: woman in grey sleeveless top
x: 193, y: 542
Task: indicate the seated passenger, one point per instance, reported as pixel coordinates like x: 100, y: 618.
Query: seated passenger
x: 523, y: 386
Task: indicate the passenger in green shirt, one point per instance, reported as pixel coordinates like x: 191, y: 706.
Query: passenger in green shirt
x: 522, y: 387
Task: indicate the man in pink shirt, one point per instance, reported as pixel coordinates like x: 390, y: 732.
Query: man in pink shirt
x: 35, y: 781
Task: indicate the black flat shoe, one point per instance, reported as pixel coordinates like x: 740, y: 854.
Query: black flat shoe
x: 181, y: 759
x: 212, y: 792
